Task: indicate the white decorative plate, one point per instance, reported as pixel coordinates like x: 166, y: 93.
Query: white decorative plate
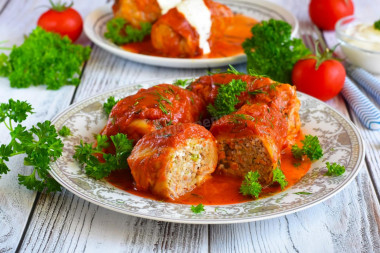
x: 340, y: 141
x: 95, y: 27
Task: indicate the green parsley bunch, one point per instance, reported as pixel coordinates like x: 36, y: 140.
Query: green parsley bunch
x: 44, y: 58
x: 272, y: 52
x: 40, y: 144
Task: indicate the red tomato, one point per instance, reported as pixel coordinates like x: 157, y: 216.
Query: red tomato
x: 65, y: 22
x: 324, y: 83
x: 325, y: 13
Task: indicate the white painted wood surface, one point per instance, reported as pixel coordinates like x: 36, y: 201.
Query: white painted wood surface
x: 62, y: 222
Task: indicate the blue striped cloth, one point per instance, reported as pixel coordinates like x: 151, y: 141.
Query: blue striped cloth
x: 370, y: 83
x: 366, y: 111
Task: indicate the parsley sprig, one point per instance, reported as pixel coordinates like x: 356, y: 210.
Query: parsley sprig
x: 86, y: 155
x: 44, y: 58
x: 251, y: 185
x: 334, y: 169
x: 271, y: 51
x: 40, y: 144
x: 311, y: 148
x: 197, y: 209
x: 64, y: 132
x: 227, y: 98
x: 279, y: 177
x: 111, y: 102
x: 120, y: 32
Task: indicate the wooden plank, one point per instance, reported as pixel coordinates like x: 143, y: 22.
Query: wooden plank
x: 16, y: 202
x: 67, y: 223
x: 3, y: 5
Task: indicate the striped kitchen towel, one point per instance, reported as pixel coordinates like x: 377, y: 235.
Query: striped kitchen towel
x: 370, y: 83
x: 366, y: 111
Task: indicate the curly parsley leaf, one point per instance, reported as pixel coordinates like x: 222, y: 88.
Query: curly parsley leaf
x: 335, y: 169
x: 44, y: 58
x: 377, y: 25
x: 271, y: 51
x: 250, y: 184
x: 111, y: 102
x: 40, y: 144
x: 16, y: 111
x: 311, y: 148
x: 227, y: 98
x: 120, y: 32
x: 279, y: 177
x: 86, y: 155
x: 197, y: 209
x: 64, y: 132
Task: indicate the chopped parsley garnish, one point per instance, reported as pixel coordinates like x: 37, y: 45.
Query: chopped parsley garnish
x: 111, y: 102
x: 377, y: 25
x: 160, y: 104
x: 197, y: 209
x: 334, y: 169
x: 279, y: 177
x: 303, y: 193
x: 85, y: 154
x: 274, y: 85
x: 311, y: 148
x: 44, y: 58
x: 237, y: 117
x: 227, y: 98
x: 258, y: 91
x: 182, y: 82
x: 194, y: 157
x: 232, y: 70
x: 40, y: 144
x: 65, y: 131
x: 119, y: 32
x: 271, y: 51
x: 250, y: 185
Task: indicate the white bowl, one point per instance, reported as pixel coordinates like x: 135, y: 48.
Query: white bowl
x: 359, y: 51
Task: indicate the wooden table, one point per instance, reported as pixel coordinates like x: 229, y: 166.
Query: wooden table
x: 63, y: 222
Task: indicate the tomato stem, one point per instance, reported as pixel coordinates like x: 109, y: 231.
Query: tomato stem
x: 58, y: 6
x: 326, y: 55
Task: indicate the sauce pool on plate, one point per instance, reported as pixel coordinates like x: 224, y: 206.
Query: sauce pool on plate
x: 220, y: 189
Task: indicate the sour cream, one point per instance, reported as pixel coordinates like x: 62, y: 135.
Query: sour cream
x: 166, y: 5
x: 360, y: 42
x: 199, y: 16
x: 362, y: 34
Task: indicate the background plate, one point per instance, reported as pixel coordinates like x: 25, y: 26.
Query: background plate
x: 340, y: 141
x: 95, y: 27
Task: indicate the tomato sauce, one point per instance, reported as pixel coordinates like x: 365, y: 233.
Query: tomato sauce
x: 220, y: 189
x: 229, y: 44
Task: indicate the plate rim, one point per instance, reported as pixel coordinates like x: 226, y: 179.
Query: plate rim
x: 345, y: 183
x: 89, y: 26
